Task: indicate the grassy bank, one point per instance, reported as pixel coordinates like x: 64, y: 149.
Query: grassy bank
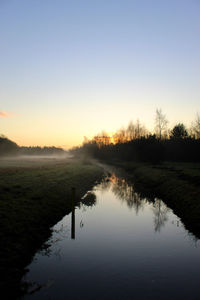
x: 34, y: 196
x: 178, y: 184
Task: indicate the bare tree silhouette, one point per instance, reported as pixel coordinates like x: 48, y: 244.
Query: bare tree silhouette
x: 161, y: 124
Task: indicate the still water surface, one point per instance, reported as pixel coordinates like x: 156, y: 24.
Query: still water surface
x: 121, y: 247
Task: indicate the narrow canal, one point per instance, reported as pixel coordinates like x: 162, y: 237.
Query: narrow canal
x: 119, y: 246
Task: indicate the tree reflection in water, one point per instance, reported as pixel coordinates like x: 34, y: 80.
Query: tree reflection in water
x: 160, y: 211
x: 124, y: 191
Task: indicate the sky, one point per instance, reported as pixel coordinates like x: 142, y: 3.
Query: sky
x: 70, y: 69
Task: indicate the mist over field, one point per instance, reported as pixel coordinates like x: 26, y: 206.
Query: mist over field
x: 33, y: 160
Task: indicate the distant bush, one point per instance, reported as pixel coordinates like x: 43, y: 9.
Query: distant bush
x: 7, y: 147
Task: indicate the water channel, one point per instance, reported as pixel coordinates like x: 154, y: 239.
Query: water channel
x: 117, y: 245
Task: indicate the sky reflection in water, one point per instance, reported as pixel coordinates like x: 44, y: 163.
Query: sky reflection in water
x: 125, y: 247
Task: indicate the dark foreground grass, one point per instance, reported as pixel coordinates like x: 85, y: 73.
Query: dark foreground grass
x: 178, y: 184
x: 34, y: 196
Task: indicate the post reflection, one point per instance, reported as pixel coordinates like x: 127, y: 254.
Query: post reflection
x: 73, y: 214
x: 73, y: 225
x: 88, y: 200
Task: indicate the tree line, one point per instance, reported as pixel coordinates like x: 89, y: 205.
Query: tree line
x: 136, y: 143
x: 8, y: 147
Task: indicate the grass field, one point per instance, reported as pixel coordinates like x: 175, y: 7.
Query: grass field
x: 35, y: 194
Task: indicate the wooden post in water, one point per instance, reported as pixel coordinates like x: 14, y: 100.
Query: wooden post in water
x: 73, y: 214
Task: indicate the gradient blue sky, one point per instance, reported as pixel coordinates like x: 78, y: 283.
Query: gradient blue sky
x: 69, y: 69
